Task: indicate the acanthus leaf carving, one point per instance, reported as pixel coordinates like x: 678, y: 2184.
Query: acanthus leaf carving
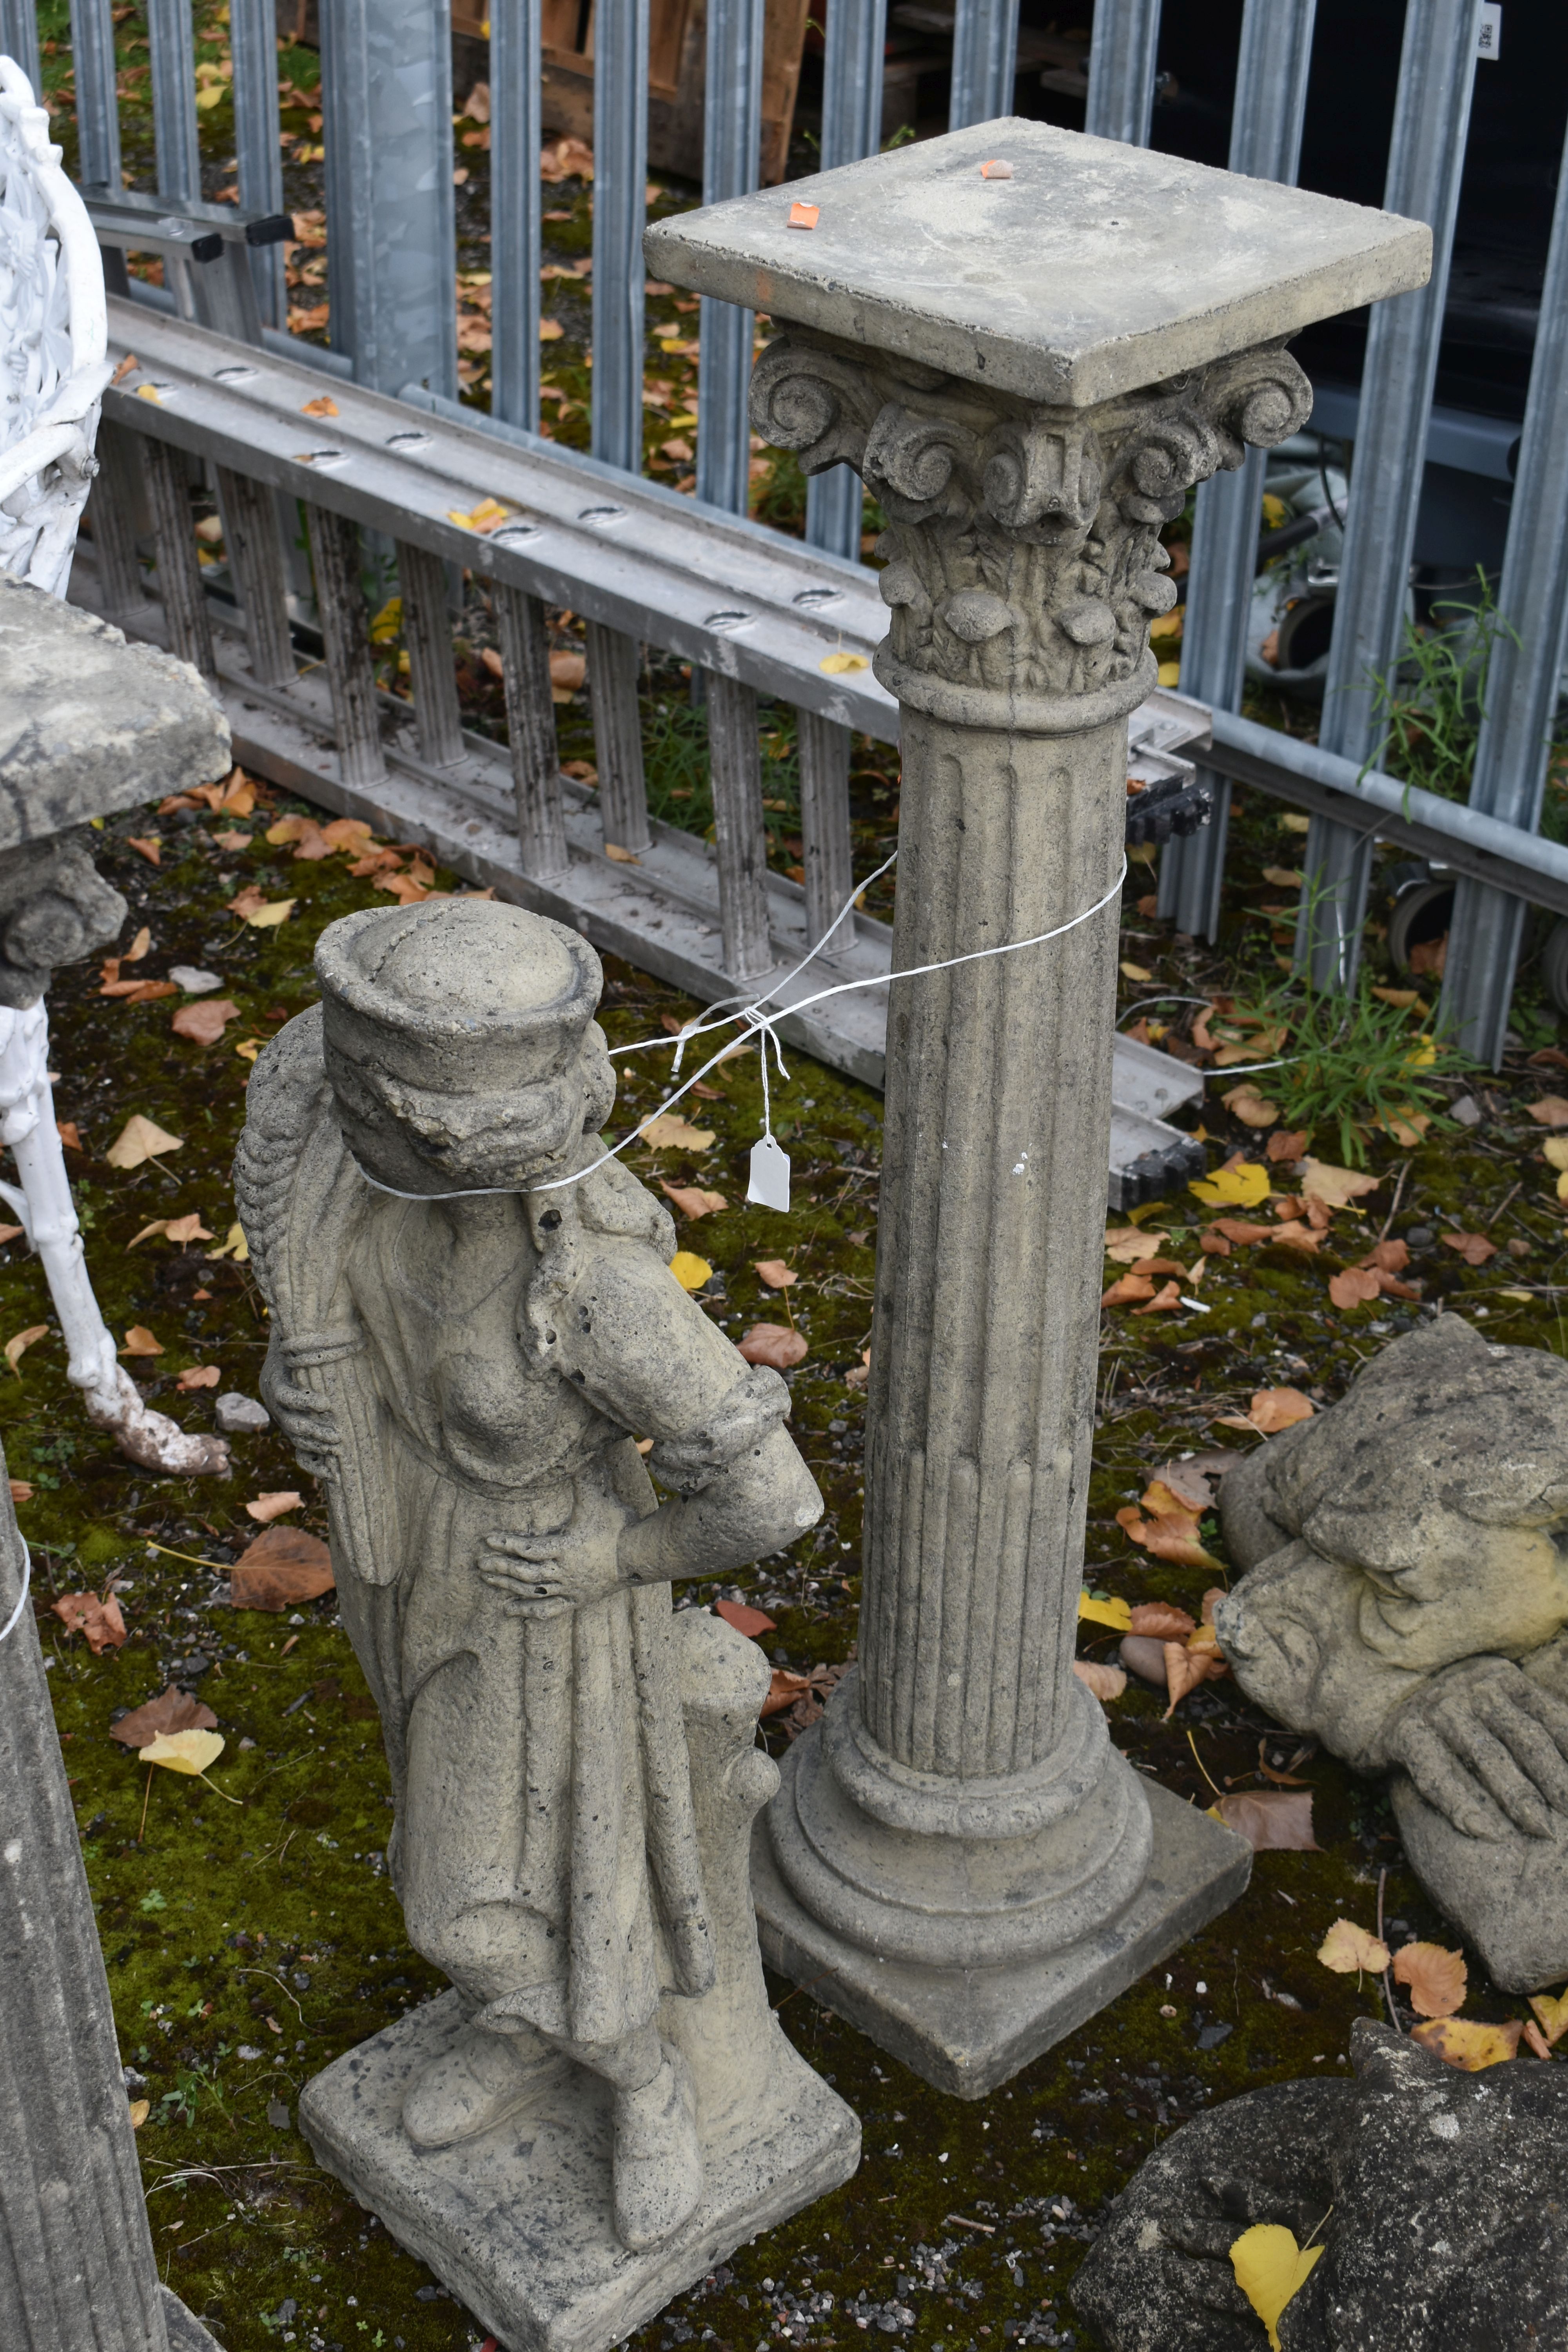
x: 1022, y: 549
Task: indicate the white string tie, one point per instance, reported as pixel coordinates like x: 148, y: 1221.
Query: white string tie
x: 27, y: 1582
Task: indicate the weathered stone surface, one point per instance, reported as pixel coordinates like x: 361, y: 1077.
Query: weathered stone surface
x: 471, y: 1322
x: 55, y: 908
x: 239, y: 1415
x: 1029, y: 370
x: 89, y: 724
x: 1406, y: 1603
x: 1095, y: 269
x: 76, y: 2267
x: 1436, y: 2196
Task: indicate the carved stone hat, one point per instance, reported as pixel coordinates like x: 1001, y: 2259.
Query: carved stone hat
x: 453, y: 1034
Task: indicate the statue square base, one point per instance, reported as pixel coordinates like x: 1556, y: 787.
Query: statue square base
x: 186, y: 2333
x: 966, y: 2029
x: 517, y: 2220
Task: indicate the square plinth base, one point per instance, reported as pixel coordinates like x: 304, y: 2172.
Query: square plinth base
x: 186, y: 2333
x: 966, y: 2029
x: 517, y: 2220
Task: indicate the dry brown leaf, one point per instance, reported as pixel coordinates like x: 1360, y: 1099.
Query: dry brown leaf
x: 1126, y: 1246
x: 567, y: 672
x: 1552, y: 2013
x: 1464, y: 2043
x: 1106, y: 1682
x: 20, y: 1490
x: 140, y: 1139
x: 149, y: 845
x: 1170, y: 1530
x: 1347, y: 1949
x: 1163, y: 1300
x: 621, y: 856
x: 185, y: 1230
x: 669, y: 1132
x: 18, y: 1347
x: 1288, y: 1144
x: 280, y: 1567
x: 266, y: 1508
x: 1272, y: 1409
x: 1337, y: 1188
x: 774, y: 1344
x: 205, y: 1021
x: 693, y: 1202
x: 173, y: 1710
x: 322, y: 406
x: 1245, y: 1103
x: 745, y: 1620
x: 1474, y: 1248
x: 775, y: 1272
x: 1354, y: 1287
x: 1551, y: 1110
x: 199, y: 1376
x: 1272, y: 1821
x: 783, y: 1690
x: 1163, y: 1620
x: 1126, y: 1287
x: 1389, y: 1257
x: 1535, y: 2040
x: 70, y: 1135
x: 139, y: 1341
x: 98, y: 1623
x: 1186, y: 1667
x: 1436, y: 1978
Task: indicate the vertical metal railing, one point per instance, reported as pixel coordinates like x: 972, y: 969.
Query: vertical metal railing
x: 1522, y: 681
x: 985, y: 61
x: 851, y: 127
x: 253, y: 36
x: 515, y: 210
x: 1266, y: 123
x: 97, y: 107
x: 19, y: 38
x: 1120, y: 103
x: 172, y: 40
x: 1425, y: 163
x: 731, y: 150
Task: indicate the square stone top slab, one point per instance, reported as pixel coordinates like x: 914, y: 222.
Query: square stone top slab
x: 1094, y: 269
x: 90, y: 725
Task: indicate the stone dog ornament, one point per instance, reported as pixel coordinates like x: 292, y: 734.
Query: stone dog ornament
x: 1406, y: 1601
x: 603, y: 2105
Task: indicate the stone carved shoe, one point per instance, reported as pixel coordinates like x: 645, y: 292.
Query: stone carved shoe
x: 657, y: 2159
x: 483, y: 2078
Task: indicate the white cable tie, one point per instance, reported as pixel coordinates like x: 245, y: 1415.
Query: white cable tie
x: 27, y: 1582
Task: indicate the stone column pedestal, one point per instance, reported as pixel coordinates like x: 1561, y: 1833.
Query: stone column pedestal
x: 1029, y: 366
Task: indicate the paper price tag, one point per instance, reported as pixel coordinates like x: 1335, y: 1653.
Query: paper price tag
x: 1488, y: 33
x: 769, y: 1186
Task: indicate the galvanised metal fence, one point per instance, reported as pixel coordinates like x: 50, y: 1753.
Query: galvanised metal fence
x: 388, y: 138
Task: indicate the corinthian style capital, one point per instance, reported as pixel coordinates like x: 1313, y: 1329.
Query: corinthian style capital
x: 1023, y: 556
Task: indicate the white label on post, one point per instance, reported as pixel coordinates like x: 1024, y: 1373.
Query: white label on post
x: 1488, y: 37
x: 769, y: 1186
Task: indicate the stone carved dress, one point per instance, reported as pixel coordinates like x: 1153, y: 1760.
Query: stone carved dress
x: 544, y: 1850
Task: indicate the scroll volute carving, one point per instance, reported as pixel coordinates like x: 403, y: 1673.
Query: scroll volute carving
x: 1022, y: 551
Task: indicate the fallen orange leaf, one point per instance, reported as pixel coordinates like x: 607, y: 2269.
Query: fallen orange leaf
x: 140, y: 1139
x: 1272, y: 1821
x: 205, y: 1021
x: 1474, y: 1248
x: 1436, y: 1978
x: 199, y: 1376
x: 774, y: 1344
x: 98, y: 1623
x: 18, y: 1347
x: 749, y: 1621
x: 693, y: 1202
x: 272, y: 1507
x: 1551, y: 1110
x: 1347, y: 1949
x: 150, y: 847
x: 1464, y: 2043
x: 281, y: 1567
x: 1354, y: 1287
x: 1552, y: 2013
x: 1272, y: 1409
x: 172, y: 1710
x: 1106, y: 1682
x: 1126, y: 1287
x: 1163, y: 1301
x: 775, y: 1272
x: 139, y: 1341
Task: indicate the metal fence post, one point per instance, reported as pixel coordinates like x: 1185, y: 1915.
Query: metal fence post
x: 386, y: 91
x: 515, y: 210
x: 985, y: 61
x: 185, y: 613
x: 173, y: 54
x: 620, y: 210
x: 1120, y: 101
x: 740, y: 837
x: 19, y: 38
x: 851, y: 127
x: 97, y: 107
x: 253, y: 34
x: 1521, y: 682
x: 351, y: 674
x: 1265, y: 122
x: 731, y: 147
x: 1426, y: 163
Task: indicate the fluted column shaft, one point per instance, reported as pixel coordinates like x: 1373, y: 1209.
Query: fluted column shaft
x: 998, y: 1109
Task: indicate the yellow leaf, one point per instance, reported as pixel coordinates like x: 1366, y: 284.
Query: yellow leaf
x: 671, y: 1132
x: 622, y: 856
x: 183, y: 1751
x: 385, y: 625
x: 1270, y: 2268
x: 1403, y: 998
x: 322, y: 406
x: 1347, y: 1949
x: 689, y: 1270
x: 487, y: 516
x: 1337, y: 1188
x: 1285, y: 877
x: 1425, y: 1054
x: 1244, y: 1185
x: 268, y: 918
x: 1552, y: 2013
x: 248, y: 1048
x: 835, y: 664
x: 140, y: 2111
x: 1555, y: 1150
x: 18, y: 1347
x: 1275, y: 510
x: 140, y: 1139
x: 139, y: 1341
x: 149, y: 391
x: 235, y: 1245
x: 1471, y: 2047
x: 1117, y: 1614
x: 1135, y: 972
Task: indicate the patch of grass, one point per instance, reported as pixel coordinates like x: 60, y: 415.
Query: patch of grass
x: 1350, y: 1062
